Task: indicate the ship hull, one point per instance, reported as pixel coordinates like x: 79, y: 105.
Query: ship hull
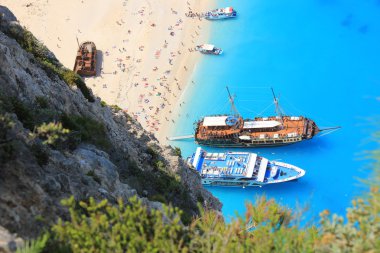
x: 219, y: 18
x: 223, y: 183
x: 276, y: 143
x: 206, y: 182
x: 211, y: 53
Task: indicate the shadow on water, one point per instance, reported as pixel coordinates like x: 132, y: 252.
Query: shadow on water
x: 228, y: 20
x: 326, y: 2
x: 363, y: 29
x: 347, y: 21
x: 99, y: 62
x: 285, y: 188
x: 311, y: 146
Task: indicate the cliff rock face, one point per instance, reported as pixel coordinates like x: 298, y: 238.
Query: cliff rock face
x: 35, y: 176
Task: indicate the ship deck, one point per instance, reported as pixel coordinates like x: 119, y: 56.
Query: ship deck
x: 291, y: 128
x: 232, y: 164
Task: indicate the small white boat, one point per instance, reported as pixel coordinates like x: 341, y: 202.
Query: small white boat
x: 241, y: 169
x: 221, y: 13
x: 208, y: 49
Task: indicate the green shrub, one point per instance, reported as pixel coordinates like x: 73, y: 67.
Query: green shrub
x: 35, y: 246
x: 120, y: 228
x: 83, y: 88
x: 42, y: 102
x: 7, y: 147
x: 51, y: 69
x: 70, y: 77
x: 93, y: 175
x: 116, y: 108
x: 266, y: 226
x: 103, y: 103
x: 133, y: 168
x: 40, y: 153
x: 160, y: 165
x: 51, y: 134
x: 101, y: 227
x: 24, y: 113
x: 177, y: 151
x: 6, y: 124
x: 158, y: 198
x: 200, y: 198
x: 153, y: 152
x: 87, y: 129
x: 130, y: 119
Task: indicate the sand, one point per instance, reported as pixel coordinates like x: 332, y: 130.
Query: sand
x: 145, y: 57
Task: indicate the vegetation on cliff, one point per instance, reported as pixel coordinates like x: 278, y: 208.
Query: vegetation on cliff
x: 265, y: 227
x: 47, y: 60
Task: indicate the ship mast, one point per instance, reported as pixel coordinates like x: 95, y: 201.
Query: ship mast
x: 234, y: 111
x: 278, y: 108
x: 78, y: 42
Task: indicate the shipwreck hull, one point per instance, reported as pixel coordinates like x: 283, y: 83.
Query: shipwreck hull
x: 85, y: 61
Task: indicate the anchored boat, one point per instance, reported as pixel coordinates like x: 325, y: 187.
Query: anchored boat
x: 208, y: 49
x: 85, y: 61
x: 234, y: 131
x: 241, y: 169
x: 221, y: 13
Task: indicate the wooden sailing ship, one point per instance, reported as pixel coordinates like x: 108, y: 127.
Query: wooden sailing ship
x: 234, y: 131
x: 85, y: 61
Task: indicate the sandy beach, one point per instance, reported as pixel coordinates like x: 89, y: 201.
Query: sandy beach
x: 145, y: 57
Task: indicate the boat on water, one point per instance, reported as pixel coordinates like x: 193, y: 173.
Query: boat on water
x: 221, y: 13
x: 241, y: 169
x: 85, y: 61
x: 208, y: 49
x: 232, y: 130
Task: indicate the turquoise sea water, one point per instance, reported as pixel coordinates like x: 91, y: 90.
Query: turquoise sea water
x: 322, y: 57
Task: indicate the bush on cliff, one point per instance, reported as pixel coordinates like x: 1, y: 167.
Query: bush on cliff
x: 47, y: 60
x: 265, y: 227
x: 51, y: 133
x: 85, y: 129
x: 6, y: 141
x: 167, y: 184
x: 101, y: 227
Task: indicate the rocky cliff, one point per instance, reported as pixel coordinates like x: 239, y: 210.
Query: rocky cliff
x: 57, y: 140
